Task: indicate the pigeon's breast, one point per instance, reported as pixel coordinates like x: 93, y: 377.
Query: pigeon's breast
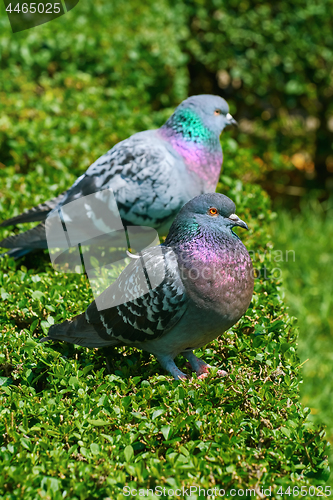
x: 220, y: 282
x: 203, y: 161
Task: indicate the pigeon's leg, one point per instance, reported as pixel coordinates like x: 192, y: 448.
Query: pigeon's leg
x: 108, y: 353
x: 199, y: 366
x: 168, y: 364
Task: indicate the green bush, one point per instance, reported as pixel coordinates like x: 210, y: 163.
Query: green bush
x: 74, y: 432
x: 126, y: 45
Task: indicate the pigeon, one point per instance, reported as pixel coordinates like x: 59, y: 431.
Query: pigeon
x: 152, y: 173
x: 207, y: 286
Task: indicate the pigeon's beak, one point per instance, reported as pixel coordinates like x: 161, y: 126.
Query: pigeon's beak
x: 237, y: 221
x: 231, y: 120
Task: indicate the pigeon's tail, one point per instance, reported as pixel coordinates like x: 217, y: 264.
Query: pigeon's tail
x: 80, y: 332
x: 35, y: 214
x: 16, y: 253
x: 33, y: 238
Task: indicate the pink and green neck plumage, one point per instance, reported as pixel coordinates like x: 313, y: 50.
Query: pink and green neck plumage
x: 220, y: 245
x: 215, y: 262
x: 196, y: 143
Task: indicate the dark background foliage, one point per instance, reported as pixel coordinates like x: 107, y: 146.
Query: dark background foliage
x: 274, y: 61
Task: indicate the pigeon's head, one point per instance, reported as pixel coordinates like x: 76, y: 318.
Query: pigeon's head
x: 210, y: 213
x: 199, y: 119
x: 213, y: 110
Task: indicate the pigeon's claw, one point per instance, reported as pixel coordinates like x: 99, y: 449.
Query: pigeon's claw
x: 198, y: 365
x: 219, y: 373
x: 201, y: 368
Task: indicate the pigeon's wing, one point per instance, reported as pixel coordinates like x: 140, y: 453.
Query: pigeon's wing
x: 148, y: 180
x: 147, y: 177
x: 140, y: 317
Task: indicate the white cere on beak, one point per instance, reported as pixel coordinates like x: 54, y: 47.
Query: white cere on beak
x: 233, y: 216
x: 229, y: 116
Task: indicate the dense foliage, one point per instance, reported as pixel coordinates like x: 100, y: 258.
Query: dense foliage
x: 275, y: 61
x: 69, y: 90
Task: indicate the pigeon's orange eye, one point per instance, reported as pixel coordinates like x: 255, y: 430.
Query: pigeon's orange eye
x: 217, y: 112
x: 213, y: 211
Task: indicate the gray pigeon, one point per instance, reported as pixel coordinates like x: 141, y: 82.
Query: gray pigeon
x: 152, y: 173
x: 207, y: 287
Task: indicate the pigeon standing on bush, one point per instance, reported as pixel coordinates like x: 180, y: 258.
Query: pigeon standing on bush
x: 152, y: 173
x: 207, y: 287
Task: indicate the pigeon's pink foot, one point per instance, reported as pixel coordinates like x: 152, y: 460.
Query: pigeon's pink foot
x: 219, y: 373
x: 201, y: 368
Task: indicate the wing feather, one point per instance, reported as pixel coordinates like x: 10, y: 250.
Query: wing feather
x: 139, y: 318
x: 147, y: 316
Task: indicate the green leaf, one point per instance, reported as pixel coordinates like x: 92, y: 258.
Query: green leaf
x: 26, y: 443
x: 37, y: 294
x: 50, y: 320
x: 166, y: 431
x: 33, y: 325
x: 129, y: 453
x: 73, y: 381
x: 95, y: 449
x: 4, y: 294
x: 286, y: 431
x: 45, y: 326
x: 157, y: 413
x: 98, y: 422
x: 5, y: 381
